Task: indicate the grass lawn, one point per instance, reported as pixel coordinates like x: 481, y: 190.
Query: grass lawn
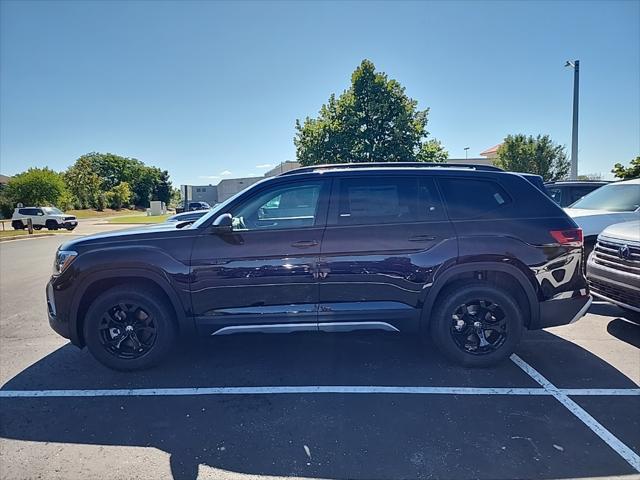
x: 107, y: 212
x: 139, y: 219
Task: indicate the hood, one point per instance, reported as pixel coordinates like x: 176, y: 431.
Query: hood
x: 627, y: 231
x: 135, y: 234
x: 581, y: 212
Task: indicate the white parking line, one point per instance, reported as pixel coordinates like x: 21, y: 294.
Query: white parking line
x: 620, y: 448
x: 305, y: 390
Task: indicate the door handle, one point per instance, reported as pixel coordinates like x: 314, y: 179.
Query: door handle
x: 422, y: 238
x: 305, y: 244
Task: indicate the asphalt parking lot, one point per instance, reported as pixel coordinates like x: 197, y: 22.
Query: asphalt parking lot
x: 365, y: 406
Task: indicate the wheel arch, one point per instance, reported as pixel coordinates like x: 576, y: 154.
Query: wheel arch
x: 500, y: 274
x: 102, y: 282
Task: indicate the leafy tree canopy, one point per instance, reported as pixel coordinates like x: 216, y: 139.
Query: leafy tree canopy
x: 95, y: 172
x: 538, y: 155
x: 374, y: 120
x: 36, y: 187
x: 628, y: 173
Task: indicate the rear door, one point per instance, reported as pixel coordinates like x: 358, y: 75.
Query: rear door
x: 385, y: 237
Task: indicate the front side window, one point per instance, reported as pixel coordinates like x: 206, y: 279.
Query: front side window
x: 381, y: 200
x: 612, y: 198
x: 281, y: 207
x: 468, y: 198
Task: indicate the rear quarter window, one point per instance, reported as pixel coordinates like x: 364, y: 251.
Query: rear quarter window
x: 468, y: 198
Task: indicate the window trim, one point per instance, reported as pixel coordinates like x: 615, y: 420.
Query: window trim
x: 321, y: 211
x: 334, y: 204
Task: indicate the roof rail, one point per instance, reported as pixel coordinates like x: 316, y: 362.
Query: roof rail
x: 315, y: 168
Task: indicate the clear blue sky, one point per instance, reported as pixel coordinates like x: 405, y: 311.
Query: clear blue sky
x: 208, y: 89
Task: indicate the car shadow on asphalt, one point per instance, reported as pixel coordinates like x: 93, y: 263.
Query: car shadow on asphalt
x: 360, y: 436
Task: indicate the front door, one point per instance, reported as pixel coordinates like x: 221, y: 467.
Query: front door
x: 261, y: 276
x: 385, y: 238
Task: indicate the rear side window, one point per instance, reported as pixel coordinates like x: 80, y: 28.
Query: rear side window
x: 380, y: 200
x: 29, y: 211
x: 556, y: 194
x: 468, y: 198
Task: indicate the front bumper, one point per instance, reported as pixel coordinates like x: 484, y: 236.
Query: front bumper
x: 57, y: 322
x: 71, y: 224
x: 614, y: 286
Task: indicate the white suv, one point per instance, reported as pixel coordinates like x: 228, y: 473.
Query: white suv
x: 49, y: 217
x: 614, y: 203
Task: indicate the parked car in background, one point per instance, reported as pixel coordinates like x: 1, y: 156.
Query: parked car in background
x: 42, y: 217
x: 613, y: 203
x: 468, y: 256
x: 613, y: 269
x: 565, y: 193
x: 193, y: 206
x: 186, y: 216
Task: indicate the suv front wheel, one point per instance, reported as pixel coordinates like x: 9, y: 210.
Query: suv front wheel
x: 476, y: 324
x: 129, y: 328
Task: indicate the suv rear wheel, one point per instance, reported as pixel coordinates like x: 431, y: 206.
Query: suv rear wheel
x: 476, y: 324
x: 129, y: 328
x: 18, y: 225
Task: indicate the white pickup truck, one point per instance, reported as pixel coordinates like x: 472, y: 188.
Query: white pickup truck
x: 42, y: 217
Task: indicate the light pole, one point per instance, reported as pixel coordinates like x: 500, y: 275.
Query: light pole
x: 466, y: 153
x: 574, y: 132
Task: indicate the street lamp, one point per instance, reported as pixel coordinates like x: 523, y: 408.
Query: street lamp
x: 574, y: 132
x: 466, y: 153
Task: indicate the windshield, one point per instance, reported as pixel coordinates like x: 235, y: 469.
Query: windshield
x: 52, y: 211
x: 220, y: 207
x: 612, y: 198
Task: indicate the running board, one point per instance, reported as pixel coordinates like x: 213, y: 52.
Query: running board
x: 306, y: 327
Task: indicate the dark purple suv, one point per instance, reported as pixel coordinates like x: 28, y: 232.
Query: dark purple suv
x: 469, y: 256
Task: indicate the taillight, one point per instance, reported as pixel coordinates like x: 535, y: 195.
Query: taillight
x: 570, y: 238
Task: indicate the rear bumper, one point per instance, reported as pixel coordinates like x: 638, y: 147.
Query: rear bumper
x: 563, y: 311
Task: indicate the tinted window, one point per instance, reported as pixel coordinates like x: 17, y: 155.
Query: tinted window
x: 468, y: 198
x: 578, y: 192
x: 556, y: 194
x: 285, y: 206
x: 29, y: 211
x: 376, y: 200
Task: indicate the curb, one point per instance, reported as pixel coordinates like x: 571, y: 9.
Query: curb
x: 26, y: 237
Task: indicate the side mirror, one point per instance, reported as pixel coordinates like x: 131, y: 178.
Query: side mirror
x: 224, y: 223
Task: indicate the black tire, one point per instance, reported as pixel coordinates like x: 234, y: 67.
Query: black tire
x: 18, y: 225
x: 496, y: 312
x: 104, y: 328
x: 70, y: 227
x: 51, y: 225
x: 37, y: 227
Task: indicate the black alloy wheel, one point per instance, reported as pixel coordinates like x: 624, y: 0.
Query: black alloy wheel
x: 476, y: 323
x: 479, y: 327
x: 127, y: 331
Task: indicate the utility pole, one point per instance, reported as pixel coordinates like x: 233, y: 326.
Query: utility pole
x: 574, y: 131
x: 466, y: 153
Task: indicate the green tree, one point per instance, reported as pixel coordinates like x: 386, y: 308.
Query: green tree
x: 120, y: 195
x: 98, y: 172
x: 162, y: 189
x: 37, y: 187
x: 83, y: 182
x: 628, y: 173
x: 374, y: 120
x: 538, y: 155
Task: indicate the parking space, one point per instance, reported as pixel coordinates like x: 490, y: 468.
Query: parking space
x: 322, y: 414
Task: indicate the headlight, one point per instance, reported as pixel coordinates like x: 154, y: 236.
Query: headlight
x: 64, y: 258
